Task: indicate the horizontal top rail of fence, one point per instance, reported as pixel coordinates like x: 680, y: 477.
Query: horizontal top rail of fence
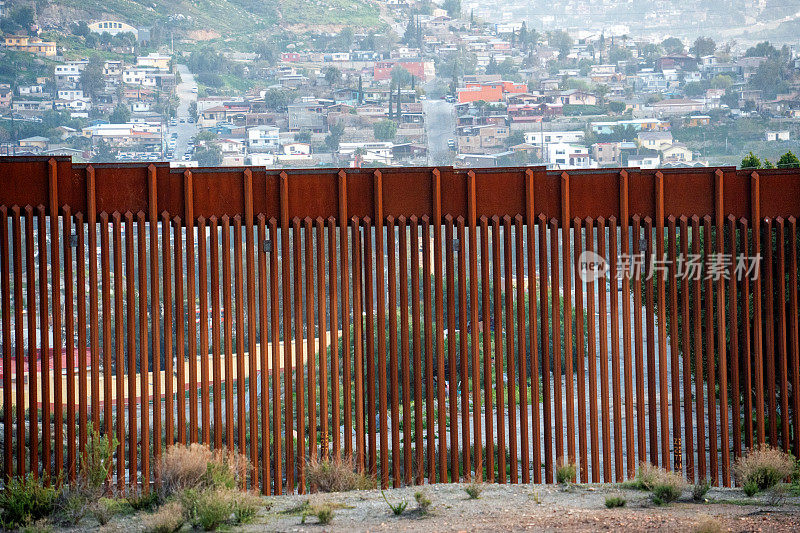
x: 405, y: 191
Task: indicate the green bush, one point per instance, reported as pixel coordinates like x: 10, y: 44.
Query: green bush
x: 25, y: 501
x: 212, y: 509
x: 423, y: 502
x: 615, y: 501
x: 565, y: 472
x: 325, y: 515
x: 474, y: 490
x: 762, y: 468
x: 699, y: 490
x: 664, y: 493
x: 97, y: 462
x: 143, y: 501
x: 168, y: 519
x: 245, y: 507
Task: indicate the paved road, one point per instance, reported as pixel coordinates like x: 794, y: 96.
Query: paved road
x: 440, y: 125
x: 184, y: 130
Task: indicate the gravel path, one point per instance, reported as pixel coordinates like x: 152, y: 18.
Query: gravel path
x: 515, y: 508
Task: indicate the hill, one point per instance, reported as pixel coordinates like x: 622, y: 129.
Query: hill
x: 225, y: 17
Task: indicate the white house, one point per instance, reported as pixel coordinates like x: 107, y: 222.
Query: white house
x: 370, y: 152
x: 782, y: 135
x: 263, y: 137
x: 546, y: 137
x: 569, y: 155
x: 295, y: 152
x: 262, y: 159
x: 112, y: 27
x: 69, y: 94
x: 644, y: 161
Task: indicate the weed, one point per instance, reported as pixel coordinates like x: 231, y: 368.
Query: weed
x: 397, y: 508
x: 707, y: 525
x: 474, y: 490
x: 325, y: 515
x: 615, y: 501
x: 336, y: 475
x: 751, y: 488
x: 665, y: 492
x: 40, y: 526
x: 212, y: 509
x: 565, y: 472
x: 536, y: 497
x: 245, y: 507
x: 140, y: 500
x: 97, y: 461
x: 699, y: 490
x: 168, y: 519
x: 184, y: 467
x: 423, y: 502
x: 762, y: 467
x: 71, y: 505
x: 25, y: 501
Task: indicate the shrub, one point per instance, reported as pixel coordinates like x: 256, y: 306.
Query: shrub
x: 184, y: 467
x: 245, y: 507
x: 647, y: 476
x: 213, y: 508
x: 325, y: 515
x: 565, y: 472
x: 227, y: 469
x: 423, y: 502
x: 71, y: 505
x: 763, y: 467
x: 102, y: 511
x: 168, y: 519
x: 397, y: 508
x: 97, y: 462
x: 777, y: 495
x: 474, y: 490
x: 615, y: 501
x: 668, y: 488
x: 140, y: 500
x: 336, y: 475
x: 699, y: 490
x: 750, y: 488
x: 25, y: 501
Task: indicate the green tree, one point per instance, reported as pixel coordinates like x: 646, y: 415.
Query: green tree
x: 788, y: 160
x: 764, y: 49
x: 721, y: 81
x: 616, y: 107
x: 385, y: 130
x: 103, y: 153
x: 120, y: 115
x: 703, y: 46
x: 515, y: 137
x: 333, y: 75
x: 334, y: 136
x: 193, y: 110
x: 276, y: 99
x: 81, y: 29
x: 672, y: 45
x: 560, y: 40
x: 209, y: 155
x: 453, y: 8
x: 750, y: 161
x: 92, y: 80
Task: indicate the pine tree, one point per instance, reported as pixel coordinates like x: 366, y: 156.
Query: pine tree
x: 360, y: 91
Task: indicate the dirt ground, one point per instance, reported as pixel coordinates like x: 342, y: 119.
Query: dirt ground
x: 530, y: 508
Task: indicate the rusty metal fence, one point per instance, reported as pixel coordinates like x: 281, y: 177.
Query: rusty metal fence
x: 431, y: 324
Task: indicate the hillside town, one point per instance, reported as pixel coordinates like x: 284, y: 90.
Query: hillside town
x: 437, y: 86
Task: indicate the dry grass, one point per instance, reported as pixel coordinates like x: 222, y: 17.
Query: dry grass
x: 336, y: 475
x: 168, y: 519
x: 186, y: 467
x: 707, y: 525
x: 763, y: 467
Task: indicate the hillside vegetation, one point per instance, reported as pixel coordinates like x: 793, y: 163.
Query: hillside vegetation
x: 227, y: 17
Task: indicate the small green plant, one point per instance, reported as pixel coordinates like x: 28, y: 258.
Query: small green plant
x: 664, y: 493
x: 565, y: 472
x: 615, y: 501
x: 325, y: 515
x: 473, y: 490
x: 536, y: 497
x: 397, y: 508
x: 71, y: 505
x: 762, y: 468
x: 139, y: 500
x: 245, y: 507
x: 97, y: 461
x: 212, y: 509
x: 750, y: 488
x: 699, y: 490
x: 168, y: 519
x: 423, y: 502
x: 25, y: 501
